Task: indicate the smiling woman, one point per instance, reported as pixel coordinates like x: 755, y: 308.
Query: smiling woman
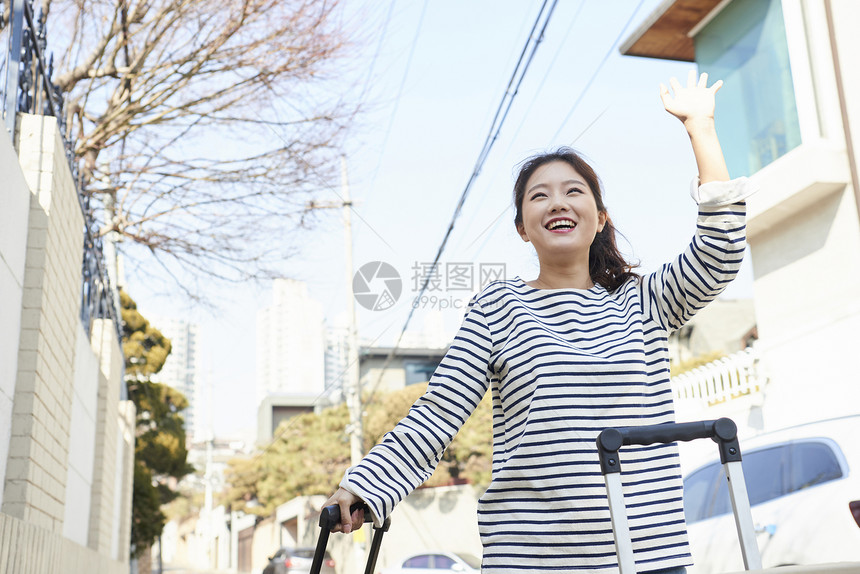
x: 578, y: 349
x: 560, y: 193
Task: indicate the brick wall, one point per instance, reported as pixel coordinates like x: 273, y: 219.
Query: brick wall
x: 36, y: 471
x: 107, y: 428
x: 27, y: 548
x: 34, y: 506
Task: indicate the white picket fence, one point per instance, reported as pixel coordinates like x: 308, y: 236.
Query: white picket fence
x: 731, y: 377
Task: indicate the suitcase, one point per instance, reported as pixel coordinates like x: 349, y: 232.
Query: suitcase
x: 724, y: 432
x: 329, y: 517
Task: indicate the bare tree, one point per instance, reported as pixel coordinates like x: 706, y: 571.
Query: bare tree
x: 201, y: 125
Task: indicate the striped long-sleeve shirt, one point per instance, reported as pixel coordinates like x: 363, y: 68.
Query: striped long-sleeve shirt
x: 563, y: 364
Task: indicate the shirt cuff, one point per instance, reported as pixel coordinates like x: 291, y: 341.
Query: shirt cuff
x: 345, y: 484
x: 721, y: 193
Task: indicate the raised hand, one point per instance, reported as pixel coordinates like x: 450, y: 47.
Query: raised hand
x: 692, y: 103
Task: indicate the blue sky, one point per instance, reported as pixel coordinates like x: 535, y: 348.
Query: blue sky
x: 435, y: 84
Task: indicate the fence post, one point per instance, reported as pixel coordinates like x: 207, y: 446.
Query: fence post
x: 13, y: 61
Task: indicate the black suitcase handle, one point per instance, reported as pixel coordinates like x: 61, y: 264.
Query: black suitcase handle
x: 723, y: 431
x: 330, y: 517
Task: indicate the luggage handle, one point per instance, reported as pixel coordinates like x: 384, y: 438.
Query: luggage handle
x: 723, y: 431
x: 329, y: 517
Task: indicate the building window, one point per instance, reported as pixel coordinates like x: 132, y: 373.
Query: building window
x: 745, y: 45
x: 419, y: 371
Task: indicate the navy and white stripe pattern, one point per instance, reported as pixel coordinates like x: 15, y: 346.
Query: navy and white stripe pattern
x: 563, y: 364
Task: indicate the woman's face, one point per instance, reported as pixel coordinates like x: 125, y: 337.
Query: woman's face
x: 560, y: 216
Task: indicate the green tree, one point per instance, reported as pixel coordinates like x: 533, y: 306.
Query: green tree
x: 160, y: 451
x: 311, y: 452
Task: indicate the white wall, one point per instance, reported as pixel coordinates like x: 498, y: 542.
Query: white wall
x: 807, y: 291
x: 76, y: 520
x: 805, y: 237
x: 14, y: 213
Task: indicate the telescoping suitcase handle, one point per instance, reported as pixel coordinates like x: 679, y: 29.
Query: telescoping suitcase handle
x: 723, y: 431
x: 329, y: 517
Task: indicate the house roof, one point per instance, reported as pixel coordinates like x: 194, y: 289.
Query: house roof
x: 664, y: 34
x: 401, y: 352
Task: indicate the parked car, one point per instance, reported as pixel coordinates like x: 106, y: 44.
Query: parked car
x: 436, y: 563
x: 804, y: 488
x: 290, y: 560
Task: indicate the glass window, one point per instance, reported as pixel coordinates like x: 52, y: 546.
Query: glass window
x: 812, y: 463
x: 419, y: 371
x: 442, y: 562
x: 765, y: 476
x: 699, y: 493
x: 421, y: 561
x: 764, y: 471
x: 745, y: 45
x: 722, y: 503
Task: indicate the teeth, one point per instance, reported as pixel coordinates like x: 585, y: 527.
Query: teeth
x: 566, y: 224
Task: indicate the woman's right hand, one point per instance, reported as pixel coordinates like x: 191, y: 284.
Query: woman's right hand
x: 344, y: 499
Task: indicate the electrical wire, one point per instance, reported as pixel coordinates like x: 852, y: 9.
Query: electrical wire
x: 538, y: 91
x: 501, y: 114
x: 397, y: 98
x: 376, y: 53
x: 597, y: 71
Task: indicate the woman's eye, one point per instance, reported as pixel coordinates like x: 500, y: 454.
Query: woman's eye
x: 574, y: 190
x: 537, y: 195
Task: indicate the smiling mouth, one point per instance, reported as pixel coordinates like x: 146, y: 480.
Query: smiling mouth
x: 561, y: 225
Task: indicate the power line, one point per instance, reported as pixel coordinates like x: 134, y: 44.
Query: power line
x: 376, y: 53
x: 501, y: 114
x: 569, y: 29
x: 597, y: 71
x: 494, y: 225
x: 491, y: 228
x: 399, y: 94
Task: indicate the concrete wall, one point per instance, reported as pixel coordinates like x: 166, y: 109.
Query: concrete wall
x: 27, y: 548
x: 38, y: 457
x: 107, y: 428
x: 66, y: 441
x: 440, y: 518
x: 804, y: 232
x: 846, y: 19
x: 79, y: 481
x: 14, y: 210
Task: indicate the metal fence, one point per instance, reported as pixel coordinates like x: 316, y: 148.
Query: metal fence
x: 26, y: 87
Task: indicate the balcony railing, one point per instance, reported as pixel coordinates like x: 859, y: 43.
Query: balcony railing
x: 719, y: 381
x: 26, y: 87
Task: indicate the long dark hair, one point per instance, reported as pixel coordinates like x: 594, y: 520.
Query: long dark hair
x: 606, y: 265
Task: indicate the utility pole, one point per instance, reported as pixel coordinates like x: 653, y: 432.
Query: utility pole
x: 352, y: 382
x: 208, y: 477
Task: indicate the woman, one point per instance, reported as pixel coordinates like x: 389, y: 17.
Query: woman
x: 580, y: 348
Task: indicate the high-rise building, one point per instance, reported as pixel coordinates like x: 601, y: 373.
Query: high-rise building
x: 290, y: 343
x: 182, y: 370
x: 336, y: 361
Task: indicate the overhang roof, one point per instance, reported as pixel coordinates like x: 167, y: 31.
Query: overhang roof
x: 664, y: 33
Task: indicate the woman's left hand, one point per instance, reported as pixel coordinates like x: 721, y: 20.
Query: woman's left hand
x: 693, y: 103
